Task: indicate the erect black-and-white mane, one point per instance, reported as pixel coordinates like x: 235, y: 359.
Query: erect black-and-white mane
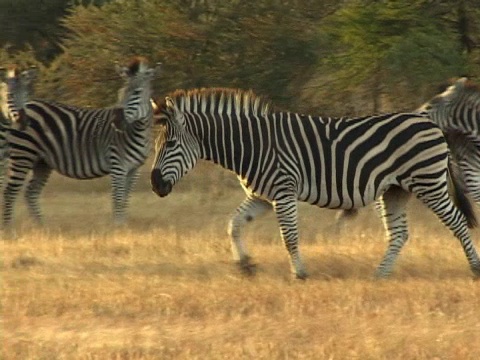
x: 220, y: 101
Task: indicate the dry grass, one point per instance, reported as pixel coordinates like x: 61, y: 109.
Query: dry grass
x: 164, y: 286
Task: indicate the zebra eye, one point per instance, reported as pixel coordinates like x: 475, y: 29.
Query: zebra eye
x: 170, y: 143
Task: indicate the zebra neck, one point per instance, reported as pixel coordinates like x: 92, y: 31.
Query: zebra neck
x: 462, y: 117
x: 12, y: 108
x: 227, y: 140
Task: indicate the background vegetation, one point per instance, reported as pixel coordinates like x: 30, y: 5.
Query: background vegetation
x: 330, y: 57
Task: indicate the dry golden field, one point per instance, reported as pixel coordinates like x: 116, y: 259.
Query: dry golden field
x: 164, y: 286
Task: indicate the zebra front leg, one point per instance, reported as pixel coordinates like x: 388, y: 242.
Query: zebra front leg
x: 40, y: 175
x: 10, y: 192
x: 248, y: 210
x: 119, y: 188
x: 392, y: 206
x: 286, y: 211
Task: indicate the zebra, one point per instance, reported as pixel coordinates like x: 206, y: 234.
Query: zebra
x: 337, y: 163
x: 457, y: 112
x: 83, y: 143
x: 14, y: 93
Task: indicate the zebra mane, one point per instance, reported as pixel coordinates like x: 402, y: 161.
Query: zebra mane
x: 219, y: 100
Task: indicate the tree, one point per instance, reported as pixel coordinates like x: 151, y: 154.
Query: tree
x: 265, y: 45
x: 98, y: 36
x: 387, y: 43
x: 35, y: 25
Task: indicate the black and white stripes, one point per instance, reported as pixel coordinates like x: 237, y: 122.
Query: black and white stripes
x: 15, y: 91
x: 83, y: 143
x: 457, y: 112
x: 283, y: 157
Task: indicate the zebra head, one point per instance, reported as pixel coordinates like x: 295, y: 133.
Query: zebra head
x: 135, y: 95
x: 176, y: 149
x: 16, y: 91
x: 445, y: 98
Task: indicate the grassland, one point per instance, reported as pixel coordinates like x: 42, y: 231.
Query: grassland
x: 164, y: 286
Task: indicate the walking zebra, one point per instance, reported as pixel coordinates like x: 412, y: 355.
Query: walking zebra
x: 457, y: 112
x: 282, y: 157
x: 83, y: 144
x: 14, y: 93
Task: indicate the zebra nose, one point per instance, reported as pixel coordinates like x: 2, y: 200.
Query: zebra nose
x: 159, y: 186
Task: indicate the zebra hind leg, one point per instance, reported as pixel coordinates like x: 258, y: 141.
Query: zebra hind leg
x: 392, y: 206
x: 248, y: 210
x: 456, y: 221
x: 287, y: 213
x: 40, y: 175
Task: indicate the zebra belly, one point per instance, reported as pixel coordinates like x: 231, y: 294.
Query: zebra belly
x: 77, y: 159
x: 333, y: 197
x: 81, y: 168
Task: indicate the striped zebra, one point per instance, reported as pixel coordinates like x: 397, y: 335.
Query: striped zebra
x: 83, y: 143
x: 283, y: 157
x: 15, y: 89
x: 457, y: 112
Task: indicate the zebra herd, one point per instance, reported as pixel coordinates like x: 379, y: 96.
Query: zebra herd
x: 280, y: 157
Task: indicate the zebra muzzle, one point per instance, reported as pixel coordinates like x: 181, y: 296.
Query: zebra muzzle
x: 159, y: 186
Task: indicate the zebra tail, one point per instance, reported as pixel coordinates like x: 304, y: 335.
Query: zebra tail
x: 459, y: 191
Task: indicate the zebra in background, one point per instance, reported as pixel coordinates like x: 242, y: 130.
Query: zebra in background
x: 83, y: 143
x: 15, y: 90
x: 283, y: 157
x: 457, y: 112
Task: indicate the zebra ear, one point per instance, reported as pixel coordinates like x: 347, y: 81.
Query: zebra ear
x: 169, y: 102
x: 121, y: 70
x: 177, y: 114
x: 154, y: 105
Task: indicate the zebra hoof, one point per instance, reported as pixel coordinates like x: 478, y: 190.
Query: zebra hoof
x: 476, y: 273
x: 301, y: 276
x: 380, y: 276
x: 247, y: 267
